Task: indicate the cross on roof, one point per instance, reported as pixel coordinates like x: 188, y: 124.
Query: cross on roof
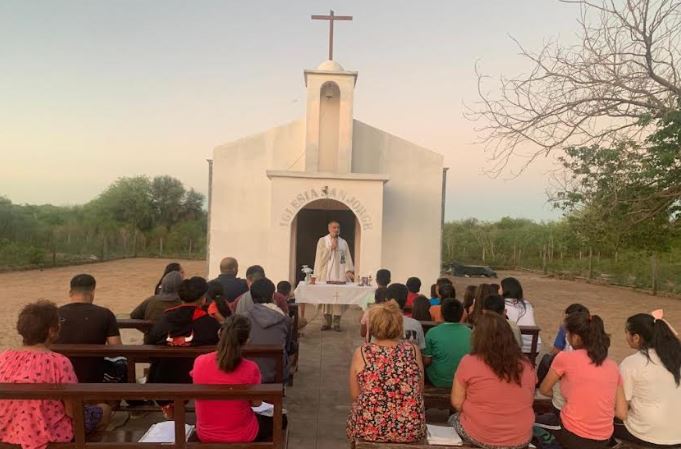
x: 331, y: 18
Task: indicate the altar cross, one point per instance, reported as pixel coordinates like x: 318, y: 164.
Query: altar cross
x: 331, y: 18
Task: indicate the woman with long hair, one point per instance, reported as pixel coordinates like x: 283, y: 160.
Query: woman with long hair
x: 493, y: 382
x: 590, y: 382
x: 482, y: 291
x: 386, y: 383
x: 468, y: 301
x: 652, y: 382
x: 518, y: 308
x: 421, y: 309
x: 172, y: 266
x: 226, y: 366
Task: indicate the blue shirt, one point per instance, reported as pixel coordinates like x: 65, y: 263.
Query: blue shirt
x: 435, y: 301
x: 561, y: 339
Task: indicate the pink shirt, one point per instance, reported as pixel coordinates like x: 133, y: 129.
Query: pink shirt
x: 225, y: 421
x: 35, y: 423
x: 490, y: 402
x: 589, y: 392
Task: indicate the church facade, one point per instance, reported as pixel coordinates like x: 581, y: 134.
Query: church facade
x: 272, y: 194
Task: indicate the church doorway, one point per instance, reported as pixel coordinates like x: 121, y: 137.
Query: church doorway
x: 311, y: 223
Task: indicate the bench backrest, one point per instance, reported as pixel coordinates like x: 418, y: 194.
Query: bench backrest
x: 140, y: 325
x: 78, y: 394
x: 532, y: 331
x: 145, y: 353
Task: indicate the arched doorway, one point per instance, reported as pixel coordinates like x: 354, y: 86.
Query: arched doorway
x: 311, y: 223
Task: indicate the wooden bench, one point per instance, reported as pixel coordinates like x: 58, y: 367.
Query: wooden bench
x: 78, y: 394
x: 532, y: 331
x: 143, y: 326
x: 425, y: 445
x: 145, y: 353
x: 420, y: 445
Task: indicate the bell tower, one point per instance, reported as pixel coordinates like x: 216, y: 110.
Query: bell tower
x: 329, y: 119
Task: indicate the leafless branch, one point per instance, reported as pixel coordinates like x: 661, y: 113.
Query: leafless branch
x: 621, y: 73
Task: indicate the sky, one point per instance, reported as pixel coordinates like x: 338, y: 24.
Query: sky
x: 92, y: 90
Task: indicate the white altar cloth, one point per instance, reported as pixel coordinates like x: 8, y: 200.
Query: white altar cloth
x: 322, y: 293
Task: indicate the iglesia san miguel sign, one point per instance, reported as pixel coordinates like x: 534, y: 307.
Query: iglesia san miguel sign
x: 326, y: 192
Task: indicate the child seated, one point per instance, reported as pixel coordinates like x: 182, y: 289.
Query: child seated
x: 446, y: 344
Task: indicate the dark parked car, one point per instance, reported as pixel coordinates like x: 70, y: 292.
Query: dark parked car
x: 459, y: 269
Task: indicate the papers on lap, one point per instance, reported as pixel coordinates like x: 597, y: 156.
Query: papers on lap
x: 443, y: 435
x: 264, y: 409
x: 164, y: 432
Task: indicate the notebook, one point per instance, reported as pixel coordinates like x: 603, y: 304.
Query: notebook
x: 443, y: 435
x: 264, y: 409
x: 164, y: 432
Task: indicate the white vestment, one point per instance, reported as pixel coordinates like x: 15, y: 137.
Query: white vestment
x: 332, y: 265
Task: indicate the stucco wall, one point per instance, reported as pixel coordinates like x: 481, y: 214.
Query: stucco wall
x: 241, y: 196
x: 411, y: 201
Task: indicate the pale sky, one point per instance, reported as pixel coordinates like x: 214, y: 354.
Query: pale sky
x: 91, y: 90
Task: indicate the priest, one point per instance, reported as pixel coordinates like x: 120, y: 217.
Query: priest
x: 333, y: 262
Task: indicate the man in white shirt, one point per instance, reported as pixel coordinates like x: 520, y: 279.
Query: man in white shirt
x: 333, y: 262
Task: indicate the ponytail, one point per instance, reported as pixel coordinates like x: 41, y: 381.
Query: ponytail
x: 233, y: 335
x: 592, y: 332
x: 657, y: 335
x: 598, y: 342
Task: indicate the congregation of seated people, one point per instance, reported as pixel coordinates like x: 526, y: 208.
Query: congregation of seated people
x: 476, y: 354
x: 226, y: 312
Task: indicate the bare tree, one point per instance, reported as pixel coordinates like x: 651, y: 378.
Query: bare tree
x: 621, y: 74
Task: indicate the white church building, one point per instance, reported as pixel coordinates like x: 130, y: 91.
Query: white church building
x: 272, y: 194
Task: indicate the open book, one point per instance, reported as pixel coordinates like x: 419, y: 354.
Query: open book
x: 164, y: 432
x: 443, y: 435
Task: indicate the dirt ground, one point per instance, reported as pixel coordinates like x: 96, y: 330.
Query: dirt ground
x: 122, y: 284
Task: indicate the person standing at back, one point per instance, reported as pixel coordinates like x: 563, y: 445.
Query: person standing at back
x: 231, y: 284
x: 333, y: 263
x: 86, y: 323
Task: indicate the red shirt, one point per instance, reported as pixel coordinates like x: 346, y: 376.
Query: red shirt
x: 490, y: 401
x: 225, y: 421
x: 411, y: 297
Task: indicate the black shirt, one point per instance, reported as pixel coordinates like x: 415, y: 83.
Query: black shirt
x: 189, y: 321
x: 233, y: 286
x: 85, y: 323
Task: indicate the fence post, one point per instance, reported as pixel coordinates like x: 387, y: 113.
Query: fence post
x: 653, y: 273
x: 544, y: 256
x: 160, y: 249
x: 591, y: 263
